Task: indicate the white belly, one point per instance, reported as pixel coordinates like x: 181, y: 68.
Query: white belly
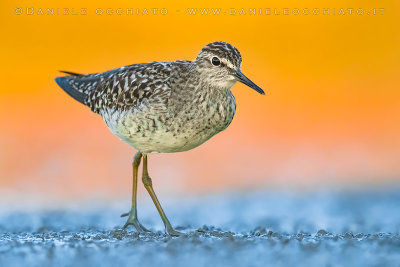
x: 157, y: 131
x: 164, y: 142
x: 149, y: 135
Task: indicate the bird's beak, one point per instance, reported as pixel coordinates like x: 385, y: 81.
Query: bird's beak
x: 243, y: 79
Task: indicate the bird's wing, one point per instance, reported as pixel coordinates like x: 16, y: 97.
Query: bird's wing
x: 129, y: 87
x: 79, y: 86
x: 121, y: 88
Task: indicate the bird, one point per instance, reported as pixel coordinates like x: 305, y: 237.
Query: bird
x: 163, y: 107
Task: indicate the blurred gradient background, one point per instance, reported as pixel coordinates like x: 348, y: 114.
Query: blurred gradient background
x: 331, y: 116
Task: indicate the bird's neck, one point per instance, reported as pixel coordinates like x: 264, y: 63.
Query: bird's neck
x: 206, y: 84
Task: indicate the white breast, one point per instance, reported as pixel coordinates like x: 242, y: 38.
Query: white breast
x: 164, y: 133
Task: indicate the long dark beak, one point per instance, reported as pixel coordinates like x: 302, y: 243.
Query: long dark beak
x: 243, y: 79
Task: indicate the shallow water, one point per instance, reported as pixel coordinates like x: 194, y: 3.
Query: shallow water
x: 281, y: 229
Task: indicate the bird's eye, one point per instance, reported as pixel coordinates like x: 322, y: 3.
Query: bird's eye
x: 215, y: 61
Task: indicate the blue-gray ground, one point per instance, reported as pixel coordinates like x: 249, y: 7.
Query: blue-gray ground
x: 253, y: 229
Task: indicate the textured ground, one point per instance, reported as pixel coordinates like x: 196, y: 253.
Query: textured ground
x: 281, y: 229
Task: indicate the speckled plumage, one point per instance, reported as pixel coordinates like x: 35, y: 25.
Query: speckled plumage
x: 163, y: 107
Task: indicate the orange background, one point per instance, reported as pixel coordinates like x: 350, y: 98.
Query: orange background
x: 331, y: 116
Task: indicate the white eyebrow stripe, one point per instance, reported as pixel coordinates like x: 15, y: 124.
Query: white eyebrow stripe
x: 227, y: 63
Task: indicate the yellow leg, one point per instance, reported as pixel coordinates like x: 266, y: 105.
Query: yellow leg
x: 149, y: 187
x: 132, y: 214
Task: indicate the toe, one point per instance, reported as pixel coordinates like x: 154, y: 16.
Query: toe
x: 144, y: 229
x: 172, y: 232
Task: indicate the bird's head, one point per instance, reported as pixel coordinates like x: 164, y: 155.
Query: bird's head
x: 219, y: 64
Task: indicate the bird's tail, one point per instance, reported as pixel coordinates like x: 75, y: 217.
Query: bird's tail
x: 67, y: 84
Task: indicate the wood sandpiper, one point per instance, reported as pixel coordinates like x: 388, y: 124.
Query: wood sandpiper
x: 163, y: 107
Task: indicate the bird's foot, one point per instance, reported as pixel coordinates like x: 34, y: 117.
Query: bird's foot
x: 133, y: 220
x: 170, y: 231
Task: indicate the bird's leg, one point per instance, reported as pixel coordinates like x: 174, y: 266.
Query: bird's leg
x: 149, y: 187
x: 132, y: 214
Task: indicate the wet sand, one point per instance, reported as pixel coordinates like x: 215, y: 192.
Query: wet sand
x: 258, y: 229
